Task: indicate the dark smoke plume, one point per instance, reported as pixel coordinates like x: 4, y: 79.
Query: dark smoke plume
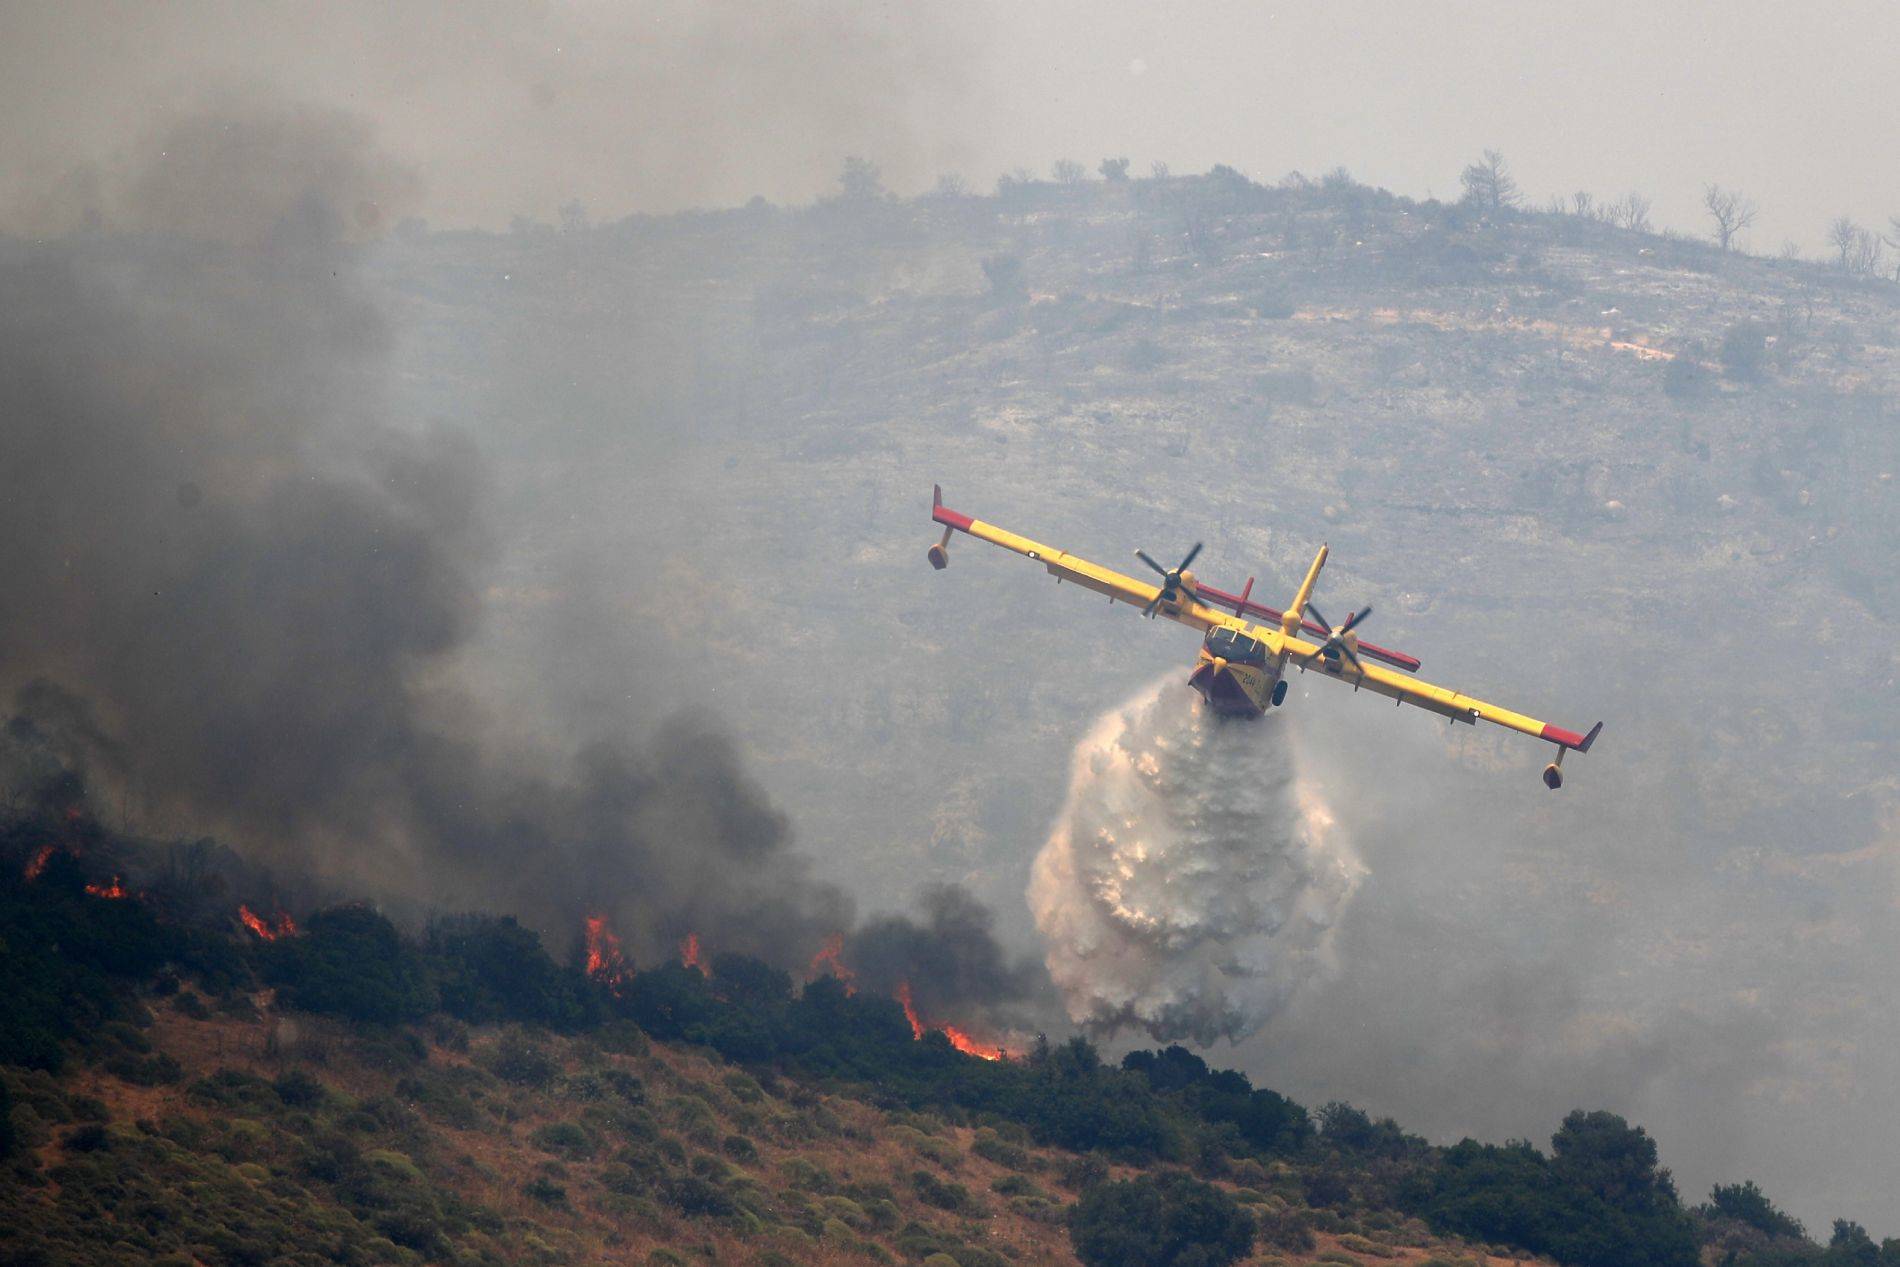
x: 949, y: 957
x: 235, y: 592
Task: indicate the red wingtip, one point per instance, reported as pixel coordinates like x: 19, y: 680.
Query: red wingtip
x: 1570, y: 738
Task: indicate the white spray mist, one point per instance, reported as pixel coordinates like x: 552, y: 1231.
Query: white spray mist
x: 1193, y: 880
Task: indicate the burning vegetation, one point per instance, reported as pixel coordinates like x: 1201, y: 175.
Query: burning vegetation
x: 958, y: 1038
x: 690, y: 957
x: 279, y: 925
x: 606, y: 962
x: 828, y: 962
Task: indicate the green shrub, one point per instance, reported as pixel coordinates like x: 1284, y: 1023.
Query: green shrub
x: 350, y: 962
x: 299, y: 1090
x: 1159, y: 1221
x: 489, y: 968
x: 991, y: 1147
x: 90, y: 1138
x: 567, y: 1139
x: 155, y: 1070
x: 942, y: 1194
x: 519, y: 1059
x: 545, y: 1190
x: 806, y: 1176
x: 1360, y: 1245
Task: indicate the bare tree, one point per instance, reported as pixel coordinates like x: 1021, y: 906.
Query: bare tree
x: 1067, y: 171
x: 951, y: 185
x: 1159, y: 170
x: 1731, y: 211
x: 1840, y: 236
x: 1583, y: 206
x: 1857, y: 250
x: 1631, y: 212
x: 1864, y: 261
x: 1488, y: 183
x: 1114, y: 169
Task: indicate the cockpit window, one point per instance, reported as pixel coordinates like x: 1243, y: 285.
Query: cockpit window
x: 1231, y: 644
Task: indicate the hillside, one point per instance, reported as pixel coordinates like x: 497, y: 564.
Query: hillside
x: 259, y: 1089
x: 1588, y: 472
x: 578, y: 584
x: 430, y: 1146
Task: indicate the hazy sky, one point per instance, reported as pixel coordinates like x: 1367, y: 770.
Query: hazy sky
x: 508, y: 108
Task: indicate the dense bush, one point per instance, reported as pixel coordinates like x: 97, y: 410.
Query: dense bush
x: 1746, y: 1203
x: 1599, y: 1201
x: 351, y: 962
x: 1173, y: 1220
x: 66, y: 956
x: 489, y: 968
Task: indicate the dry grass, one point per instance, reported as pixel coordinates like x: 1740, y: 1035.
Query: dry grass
x: 488, y: 1154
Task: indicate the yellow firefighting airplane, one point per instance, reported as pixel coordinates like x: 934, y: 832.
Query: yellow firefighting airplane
x: 1241, y: 668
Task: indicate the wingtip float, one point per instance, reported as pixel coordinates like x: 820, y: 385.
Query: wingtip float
x: 1241, y: 668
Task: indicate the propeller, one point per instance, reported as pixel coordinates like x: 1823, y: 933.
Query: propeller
x: 1170, y: 580
x: 1336, y: 638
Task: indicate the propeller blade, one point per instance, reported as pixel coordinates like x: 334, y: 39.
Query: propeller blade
x: 1313, y: 611
x: 1190, y: 557
x: 1143, y: 556
x: 1352, y: 655
x: 1355, y: 618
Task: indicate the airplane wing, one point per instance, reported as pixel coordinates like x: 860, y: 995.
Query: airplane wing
x: 1068, y: 567
x: 1410, y: 690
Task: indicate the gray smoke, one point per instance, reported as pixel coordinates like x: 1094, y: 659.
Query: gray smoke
x: 235, y: 591
x: 1192, y: 884
x: 948, y: 955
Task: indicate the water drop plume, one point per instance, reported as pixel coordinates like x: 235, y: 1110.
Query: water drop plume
x: 1193, y: 881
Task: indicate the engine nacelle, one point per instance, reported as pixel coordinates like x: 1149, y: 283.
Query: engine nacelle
x: 1553, y: 776
x: 939, y: 554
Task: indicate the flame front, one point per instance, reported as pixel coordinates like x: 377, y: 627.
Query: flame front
x: 268, y: 929
x: 970, y: 1047
x: 606, y: 963
x: 37, y: 863
x: 689, y: 955
x: 958, y: 1038
x: 829, y: 961
x: 115, y: 890
x: 917, y: 1029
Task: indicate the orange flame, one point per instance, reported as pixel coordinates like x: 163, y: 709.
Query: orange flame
x: 689, y: 955
x: 958, y: 1038
x: 970, y: 1047
x: 917, y: 1029
x: 606, y: 962
x: 37, y: 863
x: 829, y: 962
x: 269, y: 930
x: 115, y: 890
